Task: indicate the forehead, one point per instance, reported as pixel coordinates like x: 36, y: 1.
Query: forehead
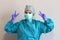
x: 28, y: 11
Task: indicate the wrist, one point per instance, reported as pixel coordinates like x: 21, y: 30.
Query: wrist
x: 12, y: 20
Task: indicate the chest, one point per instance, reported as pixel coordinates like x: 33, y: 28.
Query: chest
x: 29, y: 28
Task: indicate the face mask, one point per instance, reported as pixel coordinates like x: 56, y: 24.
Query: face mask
x: 28, y: 16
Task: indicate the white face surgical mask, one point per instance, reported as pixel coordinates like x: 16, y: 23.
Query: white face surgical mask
x: 28, y: 16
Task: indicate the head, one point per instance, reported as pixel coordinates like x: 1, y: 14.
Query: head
x: 29, y: 12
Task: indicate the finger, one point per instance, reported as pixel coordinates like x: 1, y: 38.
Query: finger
x: 17, y: 14
x: 40, y: 12
x: 12, y: 17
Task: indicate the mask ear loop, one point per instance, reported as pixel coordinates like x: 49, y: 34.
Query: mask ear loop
x: 33, y: 14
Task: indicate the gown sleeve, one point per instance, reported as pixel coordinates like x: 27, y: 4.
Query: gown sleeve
x: 46, y: 26
x: 11, y: 27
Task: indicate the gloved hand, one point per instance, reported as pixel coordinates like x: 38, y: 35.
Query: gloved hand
x: 43, y: 15
x: 14, y: 16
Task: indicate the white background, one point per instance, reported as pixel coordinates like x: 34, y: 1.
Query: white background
x: 50, y: 7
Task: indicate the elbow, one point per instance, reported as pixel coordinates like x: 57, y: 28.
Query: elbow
x: 7, y: 30
x: 50, y: 29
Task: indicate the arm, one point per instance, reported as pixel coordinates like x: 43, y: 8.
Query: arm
x: 47, y: 26
x: 11, y: 28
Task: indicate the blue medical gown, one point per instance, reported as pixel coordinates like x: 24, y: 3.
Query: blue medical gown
x: 29, y: 30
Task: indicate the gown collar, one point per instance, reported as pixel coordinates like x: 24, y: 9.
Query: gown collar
x: 27, y: 21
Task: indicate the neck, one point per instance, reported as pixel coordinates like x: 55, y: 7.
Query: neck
x: 30, y: 20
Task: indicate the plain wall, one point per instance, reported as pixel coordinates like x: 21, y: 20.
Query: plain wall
x: 50, y: 7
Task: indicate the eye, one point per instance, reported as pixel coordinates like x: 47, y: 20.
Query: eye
x: 29, y: 12
x: 26, y: 12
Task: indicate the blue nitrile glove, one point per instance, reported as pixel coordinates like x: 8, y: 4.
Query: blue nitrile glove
x: 14, y: 16
x: 43, y: 15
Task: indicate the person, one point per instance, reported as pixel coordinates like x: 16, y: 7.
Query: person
x: 29, y: 28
